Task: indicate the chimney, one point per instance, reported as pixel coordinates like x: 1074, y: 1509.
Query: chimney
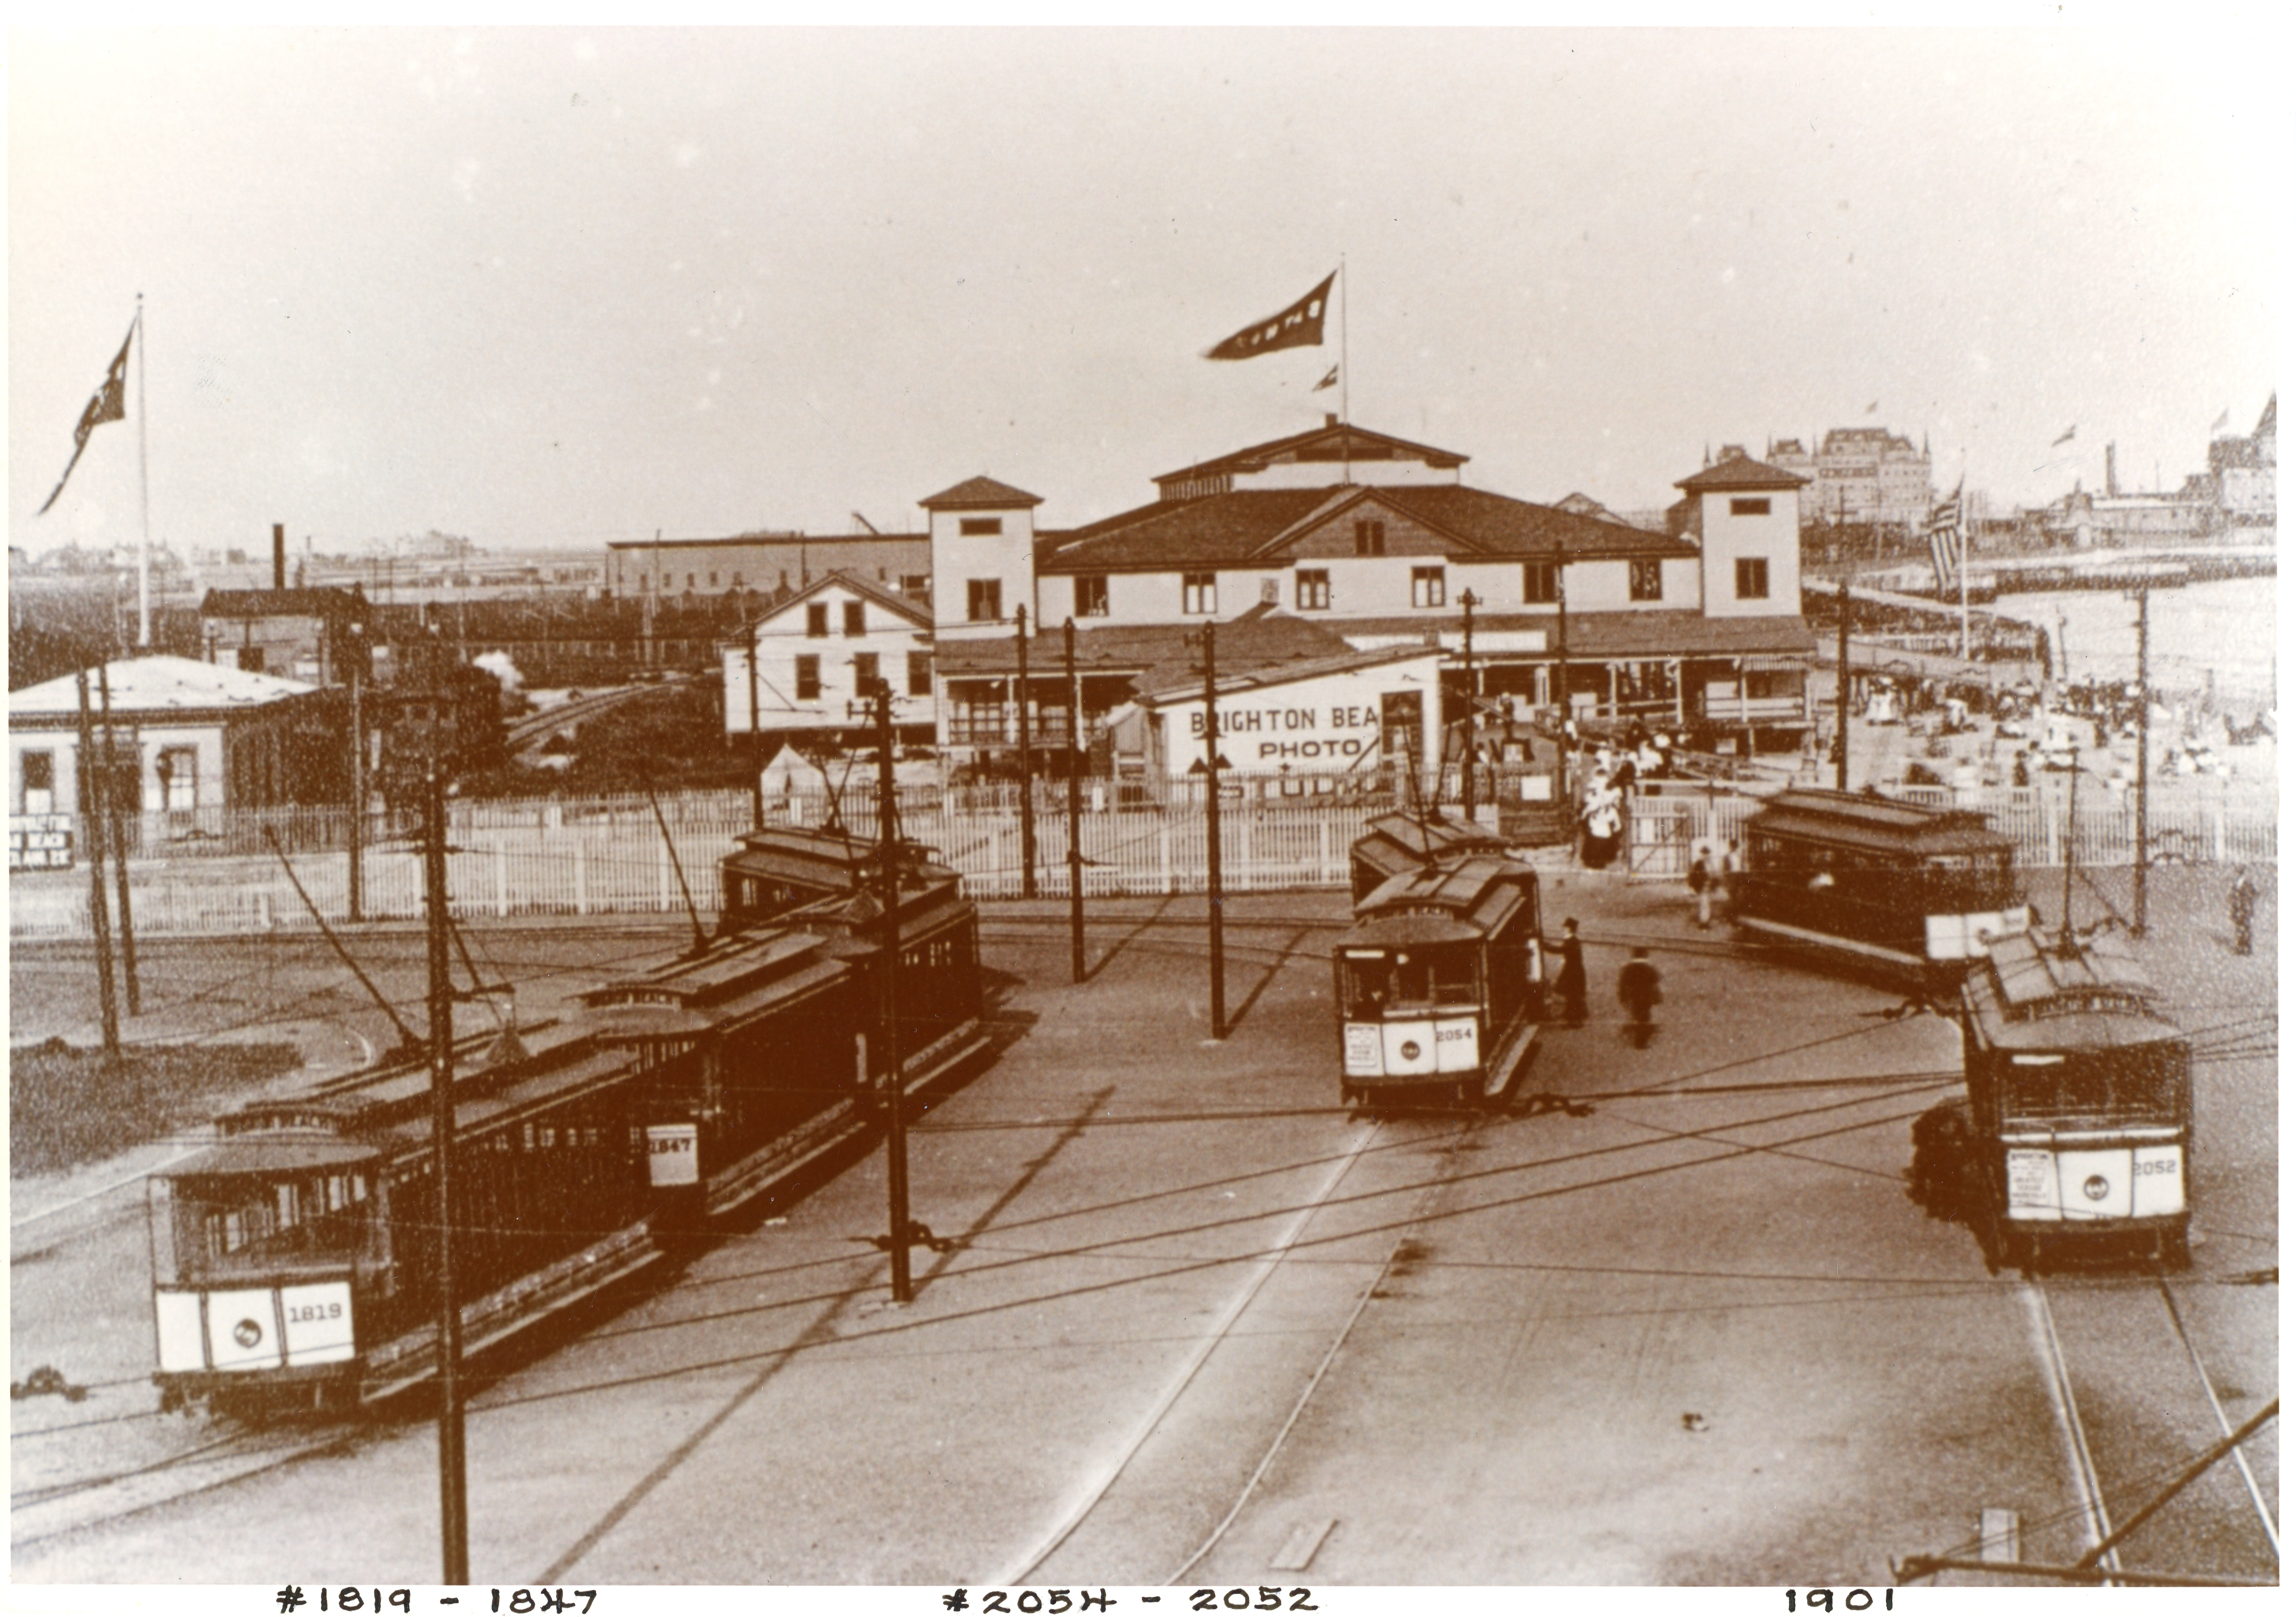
x: 2111, y: 474
x: 1331, y: 418
x: 278, y: 555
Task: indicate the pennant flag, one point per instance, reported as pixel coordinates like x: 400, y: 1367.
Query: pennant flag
x: 2065, y: 437
x: 2221, y: 421
x: 1874, y: 409
x: 1331, y: 380
x: 1948, y: 552
x: 109, y: 403
x: 1299, y: 327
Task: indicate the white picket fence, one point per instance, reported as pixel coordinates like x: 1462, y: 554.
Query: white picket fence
x: 610, y: 859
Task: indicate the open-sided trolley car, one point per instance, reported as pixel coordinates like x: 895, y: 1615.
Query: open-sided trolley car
x: 295, y: 1260
x: 1439, y: 983
x: 1918, y: 888
x: 2078, y: 1122
x: 1393, y: 844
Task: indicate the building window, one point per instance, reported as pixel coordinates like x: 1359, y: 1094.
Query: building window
x: 916, y: 584
x: 816, y: 619
x: 178, y: 769
x: 1760, y: 507
x: 1371, y: 538
x: 856, y: 621
x: 1753, y: 579
x: 737, y: 581
x: 980, y: 527
x: 39, y: 784
x: 713, y: 580
x: 1538, y: 583
x: 808, y: 678
x: 864, y: 673
x: 1092, y: 595
x: 1200, y: 592
x: 689, y: 584
x: 920, y: 673
x: 1645, y: 582
x: 1313, y: 586
x: 984, y: 600
x: 1426, y: 586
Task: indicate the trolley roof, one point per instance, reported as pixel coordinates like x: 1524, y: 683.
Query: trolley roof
x: 1464, y: 899
x: 2038, y: 992
x: 823, y: 863
x: 1883, y: 823
x: 1394, y: 844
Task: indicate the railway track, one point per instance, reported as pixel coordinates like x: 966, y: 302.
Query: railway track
x: 2137, y: 1400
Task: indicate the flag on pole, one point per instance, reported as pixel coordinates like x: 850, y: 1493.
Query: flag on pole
x: 2064, y: 437
x: 1331, y: 380
x: 1947, y: 549
x: 1301, y: 326
x: 2221, y: 421
x: 109, y: 403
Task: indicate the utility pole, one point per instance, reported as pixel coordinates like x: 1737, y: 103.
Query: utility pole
x: 90, y: 791
x: 1467, y: 753
x: 896, y: 1137
x: 2144, y: 756
x: 1028, y: 772
x: 1212, y: 839
x: 1842, y: 695
x: 1562, y: 641
x: 116, y: 838
x: 360, y: 660
x: 1076, y: 806
x: 757, y: 775
x: 454, y: 1504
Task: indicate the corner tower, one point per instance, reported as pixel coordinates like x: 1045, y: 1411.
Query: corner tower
x: 1744, y: 515
x: 984, y: 555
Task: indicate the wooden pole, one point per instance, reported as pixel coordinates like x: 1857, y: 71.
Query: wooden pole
x: 1076, y: 806
x: 90, y: 793
x: 2144, y: 756
x: 116, y: 837
x: 1842, y: 695
x: 1213, y: 841
x: 454, y: 1502
x: 1028, y: 771
x: 1467, y: 753
x: 896, y: 1137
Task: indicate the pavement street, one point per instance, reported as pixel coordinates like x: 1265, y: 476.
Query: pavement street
x: 1681, y: 1326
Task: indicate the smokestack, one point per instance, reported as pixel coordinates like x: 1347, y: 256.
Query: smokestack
x: 2111, y: 475
x: 278, y: 555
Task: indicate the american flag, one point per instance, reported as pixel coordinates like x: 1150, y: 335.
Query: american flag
x: 1945, y: 544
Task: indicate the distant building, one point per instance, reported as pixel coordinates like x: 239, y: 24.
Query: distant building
x: 809, y: 665
x: 301, y: 633
x: 2243, y: 471
x: 1862, y: 475
x: 766, y: 564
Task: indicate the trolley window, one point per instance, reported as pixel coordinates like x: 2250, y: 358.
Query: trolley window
x: 2136, y: 1086
x: 245, y: 1224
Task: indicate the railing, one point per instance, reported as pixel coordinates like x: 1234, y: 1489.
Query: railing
x: 606, y: 857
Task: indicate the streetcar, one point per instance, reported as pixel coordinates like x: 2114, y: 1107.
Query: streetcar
x: 1916, y: 889
x: 2076, y: 1129
x: 297, y: 1259
x: 1393, y: 844
x: 1439, y: 983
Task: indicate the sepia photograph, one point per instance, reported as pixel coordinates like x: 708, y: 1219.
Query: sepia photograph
x: 988, y: 817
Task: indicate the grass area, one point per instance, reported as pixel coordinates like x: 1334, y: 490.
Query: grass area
x: 67, y: 1107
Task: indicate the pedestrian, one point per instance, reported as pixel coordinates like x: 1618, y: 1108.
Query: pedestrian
x: 1734, y: 877
x: 2244, y: 913
x: 1638, y: 992
x: 1701, y: 884
x: 1570, y: 983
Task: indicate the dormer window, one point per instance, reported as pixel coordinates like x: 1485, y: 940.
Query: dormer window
x: 980, y: 527
x: 1371, y: 538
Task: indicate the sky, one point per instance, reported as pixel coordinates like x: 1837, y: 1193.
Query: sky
x: 552, y: 288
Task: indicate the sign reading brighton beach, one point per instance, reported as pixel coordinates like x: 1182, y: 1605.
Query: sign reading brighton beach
x: 1313, y: 733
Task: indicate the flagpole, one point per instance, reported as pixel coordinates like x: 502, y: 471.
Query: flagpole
x: 1961, y: 544
x: 144, y: 465
x: 1346, y: 296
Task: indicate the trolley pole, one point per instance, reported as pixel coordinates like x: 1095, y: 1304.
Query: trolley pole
x: 88, y: 788
x: 1076, y: 806
x: 2144, y: 758
x: 115, y: 812
x: 454, y: 1507
x: 756, y: 774
x: 1842, y: 695
x: 1028, y: 771
x: 1212, y: 839
x: 1467, y: 753
x: 896, y: 1134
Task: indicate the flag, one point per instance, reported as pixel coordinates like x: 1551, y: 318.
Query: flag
x: 1874, y: 409
x: 1946, y: 550
x: 1331, y: 380
x: 109, y: 403
x: 2064, y: 437
x: 2221, y: 421
x: 1299, y: 327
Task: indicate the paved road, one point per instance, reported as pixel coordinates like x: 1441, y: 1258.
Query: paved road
x: 1685, y: 1329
